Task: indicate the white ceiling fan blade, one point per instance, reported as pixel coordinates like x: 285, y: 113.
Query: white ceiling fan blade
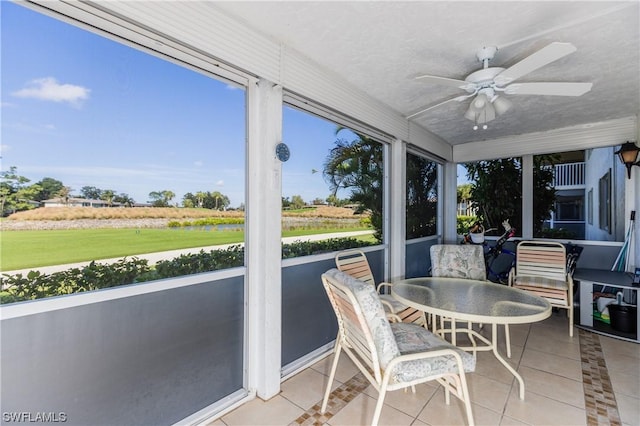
x: 443, y: 81
x: 551, y: 89
x: 546, y: 55
x: 457, y: 98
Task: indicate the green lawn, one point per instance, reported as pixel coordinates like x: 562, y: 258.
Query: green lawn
x: 30, y: 249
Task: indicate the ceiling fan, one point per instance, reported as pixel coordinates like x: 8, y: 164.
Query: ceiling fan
x: 488, y: 84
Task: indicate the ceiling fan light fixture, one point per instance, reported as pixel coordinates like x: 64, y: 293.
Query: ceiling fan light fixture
x: 488, y: 84
x: 479, y: 102
x: 501, y: 105
x: 470, y: 114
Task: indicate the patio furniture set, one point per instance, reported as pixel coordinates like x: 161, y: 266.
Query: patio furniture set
x: 409, y: 335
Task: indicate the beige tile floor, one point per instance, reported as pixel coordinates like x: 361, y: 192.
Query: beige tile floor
x: 543, y: 353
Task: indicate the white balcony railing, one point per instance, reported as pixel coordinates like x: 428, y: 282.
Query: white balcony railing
x: 568, y: 175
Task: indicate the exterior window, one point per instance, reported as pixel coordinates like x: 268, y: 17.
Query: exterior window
x: 158, y: 147
x: 604, y: 195
x: 585, y: 183
x: 332, y: 185
x: 494, y: 189
x: 561, y: 180
x: 422, y: 196
x: 590, y: 205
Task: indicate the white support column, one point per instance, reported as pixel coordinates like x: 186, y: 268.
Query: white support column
x: 398, y: 209
x: 263, y: 241
x: 527, y: 197
x: 449, y: 199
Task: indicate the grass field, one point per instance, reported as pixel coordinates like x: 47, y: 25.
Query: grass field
x: 31, y: 249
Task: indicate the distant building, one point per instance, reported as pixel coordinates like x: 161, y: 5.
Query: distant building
x: 77, y: 202
x: 589, y: 195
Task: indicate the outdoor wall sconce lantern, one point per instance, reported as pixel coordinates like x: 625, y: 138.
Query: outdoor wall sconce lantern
x: 628, y: 154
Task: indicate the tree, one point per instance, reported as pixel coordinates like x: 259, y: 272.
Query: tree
x: 332, y: 200
x: 108, y: 195
x: 220, y: 201
x: 464, y: 192
x: 200, y: 196
x: 357, y: 165
x: 422, y: 201
x: 124, y: 199
x: 297, y: 202
x: 10, y: 184
x: 161, y: 198
x: 91, y: 192
x: 496, y: 190
x: 49, y: 187
x: 64, y: 194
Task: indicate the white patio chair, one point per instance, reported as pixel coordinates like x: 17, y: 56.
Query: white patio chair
x: 391, y: 356
x: 355, y: 263
x: 541, y: 268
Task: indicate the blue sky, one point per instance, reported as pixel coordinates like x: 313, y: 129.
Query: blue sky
x: 88, y: 111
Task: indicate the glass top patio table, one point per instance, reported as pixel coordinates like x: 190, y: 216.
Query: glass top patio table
x: 471, y: 300
x: 476, y: 302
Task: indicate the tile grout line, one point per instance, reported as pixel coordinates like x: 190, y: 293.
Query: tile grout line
x: 601, y: 407
x: 338, y: 399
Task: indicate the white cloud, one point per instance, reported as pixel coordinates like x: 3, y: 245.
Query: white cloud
x: 48, y: 89
x: 220, y: 183
x: 197, y: 163
x: 4, y: 148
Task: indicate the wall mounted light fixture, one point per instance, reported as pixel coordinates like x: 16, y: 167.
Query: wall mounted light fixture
x: 628, y: 154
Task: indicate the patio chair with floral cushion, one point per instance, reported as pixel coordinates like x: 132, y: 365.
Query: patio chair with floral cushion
x: 354, y: 262
x: 465, y: 261
x: 390, y: 355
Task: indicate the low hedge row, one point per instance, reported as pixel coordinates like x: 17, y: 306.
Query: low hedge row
x: 36, y: 285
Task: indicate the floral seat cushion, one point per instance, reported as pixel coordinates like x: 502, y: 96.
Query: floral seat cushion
x: 412, y: 339
x: 458, y: 261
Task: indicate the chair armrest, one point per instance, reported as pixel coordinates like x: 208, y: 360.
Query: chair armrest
x: 512, y: 277
x: 393, y: 318
x: 384, y: 284
x: 388, y: 307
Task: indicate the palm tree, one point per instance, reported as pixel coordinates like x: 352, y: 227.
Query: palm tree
x: 422, y: 201
x: 357, y: 165
x: 221, y: 201
x: 200, y: 196
x: 108, y: 196
x: 64, y: 194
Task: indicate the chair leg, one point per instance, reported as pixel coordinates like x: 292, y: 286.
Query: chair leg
x: 570, y: 322
x: 334, y: 367
x: 447, y: 392
x: 467, y: 399
x: 381, y: 394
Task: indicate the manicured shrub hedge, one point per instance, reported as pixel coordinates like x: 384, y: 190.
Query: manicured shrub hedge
x: 94, y: 276
x: 36, y: 285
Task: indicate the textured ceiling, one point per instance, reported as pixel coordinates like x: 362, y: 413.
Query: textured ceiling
x: 381, y: 46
